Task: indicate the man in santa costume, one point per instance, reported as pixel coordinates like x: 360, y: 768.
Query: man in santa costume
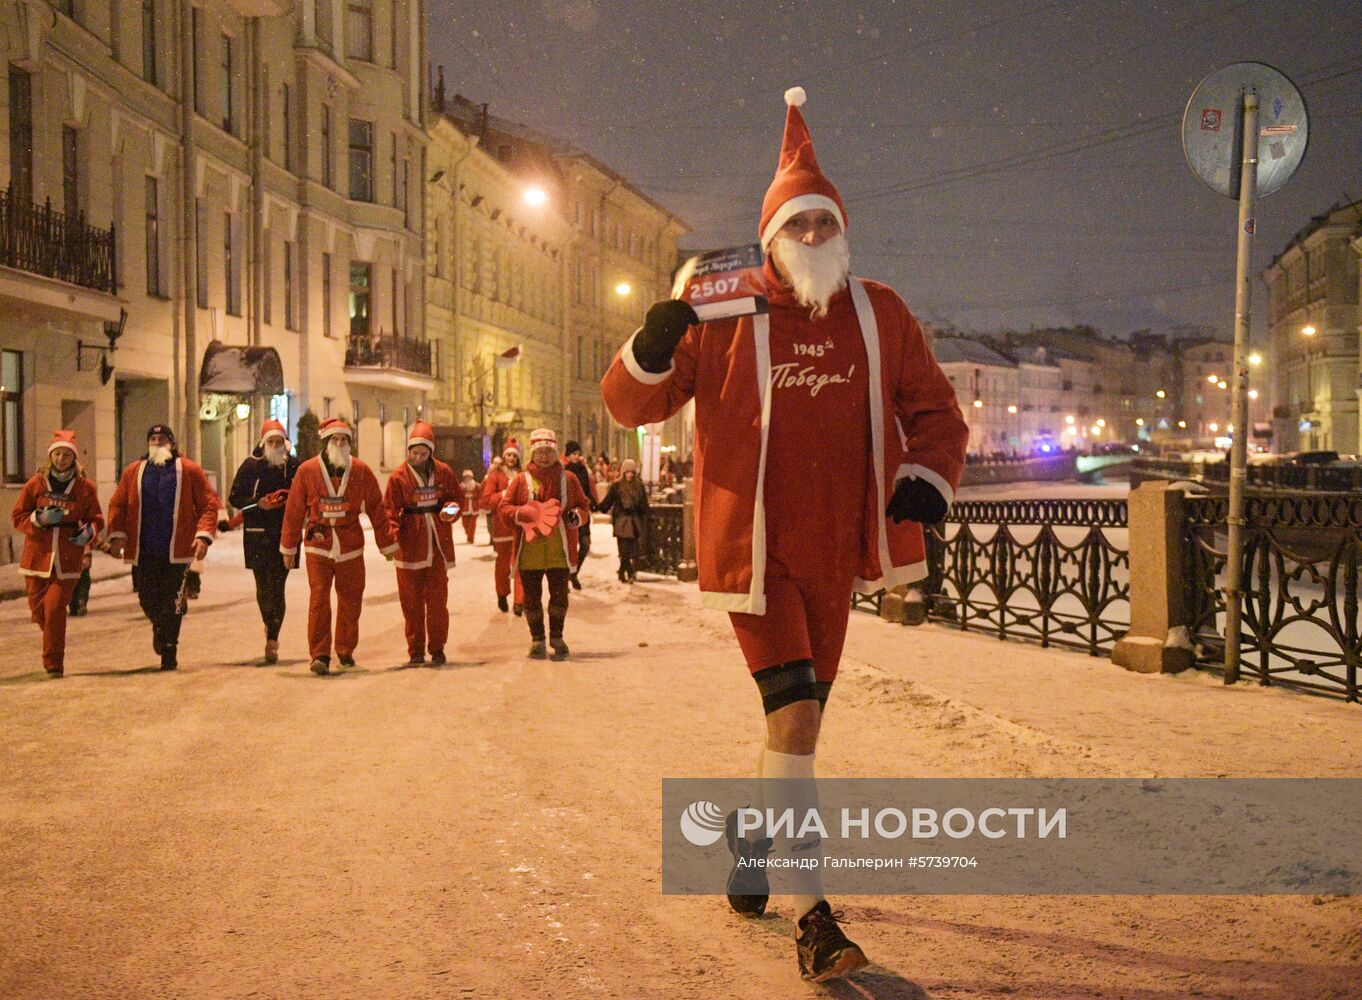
x: 825, y: 437
x: 547, y: 505
x: 259, y: 491
x: 59, y: 515
x: 503, y: 530
x: 322, y: 515
x: 162, y: 517
x: 422, y: 502
x: 472, y: 503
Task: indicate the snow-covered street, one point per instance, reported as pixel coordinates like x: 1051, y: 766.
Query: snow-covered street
x: 491, y: 828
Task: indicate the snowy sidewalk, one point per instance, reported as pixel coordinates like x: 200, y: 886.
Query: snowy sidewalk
x: 12, y: 586
x: 491, y: 828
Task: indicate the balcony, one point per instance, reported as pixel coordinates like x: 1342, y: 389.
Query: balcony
x: 389, y: 361
x: 60, y: 261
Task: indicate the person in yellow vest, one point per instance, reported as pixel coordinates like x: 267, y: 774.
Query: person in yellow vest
x: 546, y: 505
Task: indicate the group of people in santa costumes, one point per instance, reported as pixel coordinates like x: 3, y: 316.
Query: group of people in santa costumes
x: 826, y: 435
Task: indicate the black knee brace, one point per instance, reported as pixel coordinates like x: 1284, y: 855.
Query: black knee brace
x: 824, y: 689
x: 786, y: 684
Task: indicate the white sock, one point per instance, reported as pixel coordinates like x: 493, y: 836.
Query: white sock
x: 799, y: 796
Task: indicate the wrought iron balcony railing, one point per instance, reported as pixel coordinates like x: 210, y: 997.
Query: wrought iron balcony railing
x: 386, y: 350
x: 40, y: 240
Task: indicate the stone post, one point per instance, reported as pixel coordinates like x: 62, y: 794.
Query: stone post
x: 686, y: 572
x: 1157, y: 641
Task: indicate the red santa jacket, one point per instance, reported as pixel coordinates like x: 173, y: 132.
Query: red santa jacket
x: 532, y: 484
x: 323, y: 514
x: 196, y: 510
x: 472, y: 498
x: 916, y: 430
x: 413, y: 506
x: 48, y: 550
x: 503, y: 530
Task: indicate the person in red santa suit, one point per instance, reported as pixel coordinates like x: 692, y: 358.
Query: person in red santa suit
x: 162, y: 517
x: 503, y: 530
x: 825, y: 437
x: 472, y: 502
x: 322, y: 515
x: 547, y: 505
x: 59, y: 515
x: 422, y: 501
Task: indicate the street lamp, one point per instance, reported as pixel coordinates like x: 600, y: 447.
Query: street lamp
x: 1308, y: 330
x: 623, y: 288
x: 1253, y: 394
x: 1255, y: 358
x: 1161, y: 394
x: 1139, y: 421
x: 978, y: 404
x: 1213, y: 379
x: 1012, y: 408
x: 536, y: 196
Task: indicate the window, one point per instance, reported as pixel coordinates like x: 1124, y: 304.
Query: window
x: 153, y: 228
x: 326, y: 407
x: 359, y: 35
x: 231, y: 272
x: 265, y: 137
x: 149, y: 41
x: 194, y: 58
x: 200, y: 255
x: 392, y: 167
x: 397, y: 303
x: 326, y: 296
x: 70, y: 172
x: 406, y: 191
x: 382, y: 434
x: 291, y: 276
x: 287, y: 125
x: 322, y: 18
x: 326, y: 146
x: 20, y: 136
x: 12, y: 394
x: 361, y: 160
x: 354, y: 422
x: 226, y: 83
x: 359, y: 299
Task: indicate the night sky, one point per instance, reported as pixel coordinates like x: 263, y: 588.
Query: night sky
x: 914, y: 108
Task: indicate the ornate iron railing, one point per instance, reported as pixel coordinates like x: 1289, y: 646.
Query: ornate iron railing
x: 664, y: 544
x: 1301, y: 623
x: 1055, y: 572
x: 388, y: 351
x: 40, y: 240
x: 1338, y: 477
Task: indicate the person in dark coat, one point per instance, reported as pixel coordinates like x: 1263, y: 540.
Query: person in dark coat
x: 576, y: 465
x: 259, y: 491
x: 627, y: 504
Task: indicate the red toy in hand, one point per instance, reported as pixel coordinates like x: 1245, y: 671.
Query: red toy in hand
x: 538, y: 517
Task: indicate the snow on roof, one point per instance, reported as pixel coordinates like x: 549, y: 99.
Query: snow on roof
x: 958, y: 350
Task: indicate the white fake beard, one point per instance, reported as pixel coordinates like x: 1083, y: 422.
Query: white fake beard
x: 158, y: 456
x: 276, y: 454
x: 337, y: 454
x: 815, y: 274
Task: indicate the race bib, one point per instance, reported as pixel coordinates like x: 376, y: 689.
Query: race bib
x: 333, y: 507
x: 61, y: 500
x: 426, y: 497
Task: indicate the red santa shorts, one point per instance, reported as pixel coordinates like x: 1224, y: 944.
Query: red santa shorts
x: 804, y: 620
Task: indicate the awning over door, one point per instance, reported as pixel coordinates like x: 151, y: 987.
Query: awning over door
x: 241, y: 370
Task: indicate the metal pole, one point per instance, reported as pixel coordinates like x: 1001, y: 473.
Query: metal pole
x: 1234, y: 566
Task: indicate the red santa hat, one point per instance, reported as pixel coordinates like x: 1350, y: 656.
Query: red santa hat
x: 799, y: 184
x: 421, y: 433
x: 272, y: 427
x: 334, y: 425
x: 63, y: 439
x: 542, y: 437
x: 511, y: 445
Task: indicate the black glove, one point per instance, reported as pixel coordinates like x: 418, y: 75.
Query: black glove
x: 572, y: 519
x: 916, y: 500
x: 663, y: 329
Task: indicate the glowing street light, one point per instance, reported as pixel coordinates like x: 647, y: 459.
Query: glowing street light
x: 978, y: 404
x: 1213, y: 379
x: 1253, y: 394
x: 536, y: 196
x: 1223, y: 384
x: 623, y: 288
x: 1308, y: 330
x: 1101, y: 422
x: 1096, y: 430
x: 1012, y: 408
x: 1069, y: 419
x: 1139, y: 421
x: 1161, y: 394
x: 1182, y: 423
x: 1255, y: 358
x: 1213, y: 427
